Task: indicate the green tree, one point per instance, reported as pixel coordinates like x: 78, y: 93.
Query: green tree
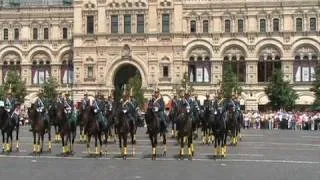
x: 229, y: 83
x: 135, y: 83
x: 50, y: 88
x: 280, y: 93
x: 316, y: 89
x: 2, y: 92
x: 18, y: 86
x: 186, y: 84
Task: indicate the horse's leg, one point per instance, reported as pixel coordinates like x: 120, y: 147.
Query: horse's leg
x: 88, y: 143
x: 152, y: 145
x: 125, y: 142
x: 120, y: 143
x: 181, y: 146
x: 100, y: 143
x: 164, y: 138
x: 38, y: 142
x: 42, y: 140
x: 63, y: 143
x: 11, y: 139
x: 96, y: 143
x: 17, y: 136
x: 190, y: 153
x: 49, y: 138
x: 34, y: 141
x: 3, y: 142
x: 133, y: 141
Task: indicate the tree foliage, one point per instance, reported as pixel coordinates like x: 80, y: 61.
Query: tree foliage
x: 316, y: 89
x: 280, y: 93
x: 229, y: 84
x: 135, y: 83
x: 18, y: 86
x: 50, y: 88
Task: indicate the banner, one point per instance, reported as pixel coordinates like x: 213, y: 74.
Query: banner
x: 206, y: 74
x: 305, y: 74
x: 199, y: 74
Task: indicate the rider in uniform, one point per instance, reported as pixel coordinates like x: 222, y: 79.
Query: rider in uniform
x: 159, y: 100
x: 12, y: 107
x: 85, y: 101
x: 68, y: 103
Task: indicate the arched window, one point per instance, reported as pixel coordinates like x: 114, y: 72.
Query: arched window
x: 276, y: 25
x: 269, y: 61
x: 67, y: 71
x: 305, y: 62
x: 313, y: 24
x: 234, y: 58
x: 227, y: 26
x: 41, y: 68
x: 199, y: 66
x: 298, y: 24
x: 193, y: 26
x: 11, y: 62
x: 263, y: 25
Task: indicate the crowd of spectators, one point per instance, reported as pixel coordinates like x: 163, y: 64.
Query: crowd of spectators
x: 282, y: 120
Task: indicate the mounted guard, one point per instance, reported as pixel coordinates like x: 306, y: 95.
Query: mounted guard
x: 85, y: 101
x: 159, y: 100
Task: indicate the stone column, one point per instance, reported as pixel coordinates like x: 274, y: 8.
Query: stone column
x: 252, y: 71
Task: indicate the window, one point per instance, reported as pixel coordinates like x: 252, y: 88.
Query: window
x: 65, y: 33
x: 298, y: 24
x: 193, y: 26
x: 35, y: 34
x: 227, y: 26
x: 90, y: 72
x: 14, y: 67
x: 127, y: 23
x: 46, y: 33
x: 165, y: 71
x: 140, y: 23
x: 5, y: 34
x: 40, y: 72
x: 114, y: 24
x: 238, y: 67
x: 304, y: 68
x: 165, y: 23
x: 262, y: 25
x: 16, y: 34
x: 67, y: 72
x: 205, y: 26
x: 199, y: 69
x: 276, y: 25
x: 266, y: 66
x: 313, y: 24
x: 90, y: 24
x: 240, y: 25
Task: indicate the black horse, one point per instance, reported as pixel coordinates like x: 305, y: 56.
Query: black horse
x: 40, y: 125
x: 230, y: 116
x: 67, y: 122
x: 185, y: 130
x: 52, y: 112
x: 155, y: 127
x: 7, y: 127
x: 218, y: 126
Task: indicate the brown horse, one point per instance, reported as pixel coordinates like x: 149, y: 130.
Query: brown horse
x: 84, y: 116
x: 92, y: 128
x: 40, y: 125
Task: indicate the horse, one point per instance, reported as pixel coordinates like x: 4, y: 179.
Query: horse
x: 239, y: 124
x: 155, y: 127
x: 84, y: 116
x: 123, y: 127
x: 93, y: 128
x: 52, y: 112
x: 185, y: 130
x: 218, y: 127
x: 173, y: 114
x: 205, y: 117
x: 40, y: 125
x: 230, y: 116
x: 7, y: 127
x: 67, y: 122
x: 109, y: 115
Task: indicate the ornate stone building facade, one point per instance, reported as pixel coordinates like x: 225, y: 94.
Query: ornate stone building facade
x: 103, y: 42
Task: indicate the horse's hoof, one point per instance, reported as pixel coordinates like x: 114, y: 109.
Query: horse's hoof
x: 165, y: 154
x: 17, y: 150
x: 49, y: 150
x: 124, y: 157
x: 134, y: 142
x: 190, y: 158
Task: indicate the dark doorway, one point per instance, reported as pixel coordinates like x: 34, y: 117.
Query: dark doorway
x: 122, y: 76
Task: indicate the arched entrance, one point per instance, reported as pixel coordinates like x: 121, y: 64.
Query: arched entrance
x: 122, y: 77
